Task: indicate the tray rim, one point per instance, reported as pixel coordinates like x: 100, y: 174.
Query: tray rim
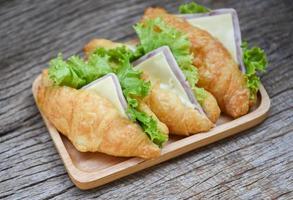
x: 88, y: 180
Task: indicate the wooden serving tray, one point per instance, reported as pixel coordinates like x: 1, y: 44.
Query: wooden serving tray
x: 89, y: 170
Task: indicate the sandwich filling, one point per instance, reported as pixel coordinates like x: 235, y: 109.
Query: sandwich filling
x: 109, y: 88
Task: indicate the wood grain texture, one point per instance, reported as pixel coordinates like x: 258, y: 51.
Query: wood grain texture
x: 257, y: 164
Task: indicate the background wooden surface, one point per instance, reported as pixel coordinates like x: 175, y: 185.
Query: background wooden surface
x: 255, y: 164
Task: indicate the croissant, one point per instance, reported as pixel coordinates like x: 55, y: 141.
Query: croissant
x: 218, y: 72
x: 211, y: 108
x: 91, y: 122
x: 180, y: 119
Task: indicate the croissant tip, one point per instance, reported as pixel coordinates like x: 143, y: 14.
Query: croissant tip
x: 149, y: 151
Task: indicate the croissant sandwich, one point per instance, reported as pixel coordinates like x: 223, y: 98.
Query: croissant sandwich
x: 219, y: 72
x: 97, y: 105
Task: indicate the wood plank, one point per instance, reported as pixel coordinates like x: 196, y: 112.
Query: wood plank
x: 253, y: 165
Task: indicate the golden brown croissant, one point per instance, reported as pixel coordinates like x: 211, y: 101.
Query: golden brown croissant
x: 219, y: 73
x: 91, y: 122
x: 211, y: 108
x: 180, y: 119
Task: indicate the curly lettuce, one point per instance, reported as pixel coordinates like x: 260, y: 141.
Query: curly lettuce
x: 192, y: 7
x: 255, y: 61
x: 76, y: 72
x: 154, y: 33
x: 201, y: 95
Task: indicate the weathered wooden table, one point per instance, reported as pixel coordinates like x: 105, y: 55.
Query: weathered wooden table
x: 255, y: 164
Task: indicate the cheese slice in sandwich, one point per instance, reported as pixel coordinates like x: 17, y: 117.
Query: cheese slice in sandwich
x: 222, y: 24
x: 109, y: 88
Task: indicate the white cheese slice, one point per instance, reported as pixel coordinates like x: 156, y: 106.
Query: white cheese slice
x: 158, y: 69
x: 221, y: 27
x: 109, y: 88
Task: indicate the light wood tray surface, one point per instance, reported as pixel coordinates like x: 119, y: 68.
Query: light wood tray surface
x: 89, y: 170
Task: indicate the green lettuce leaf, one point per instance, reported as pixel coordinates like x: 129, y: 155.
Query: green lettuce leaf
x: 155, y: 33
x: 149, y: 125
x: 201, y: 94
x: 192, y: 7
x: 62, y: 73
x: 255, y: 61
x: 76, y: 72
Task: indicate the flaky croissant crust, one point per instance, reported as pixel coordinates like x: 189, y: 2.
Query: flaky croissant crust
x: 180, y: 119
x: 92, y: 123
